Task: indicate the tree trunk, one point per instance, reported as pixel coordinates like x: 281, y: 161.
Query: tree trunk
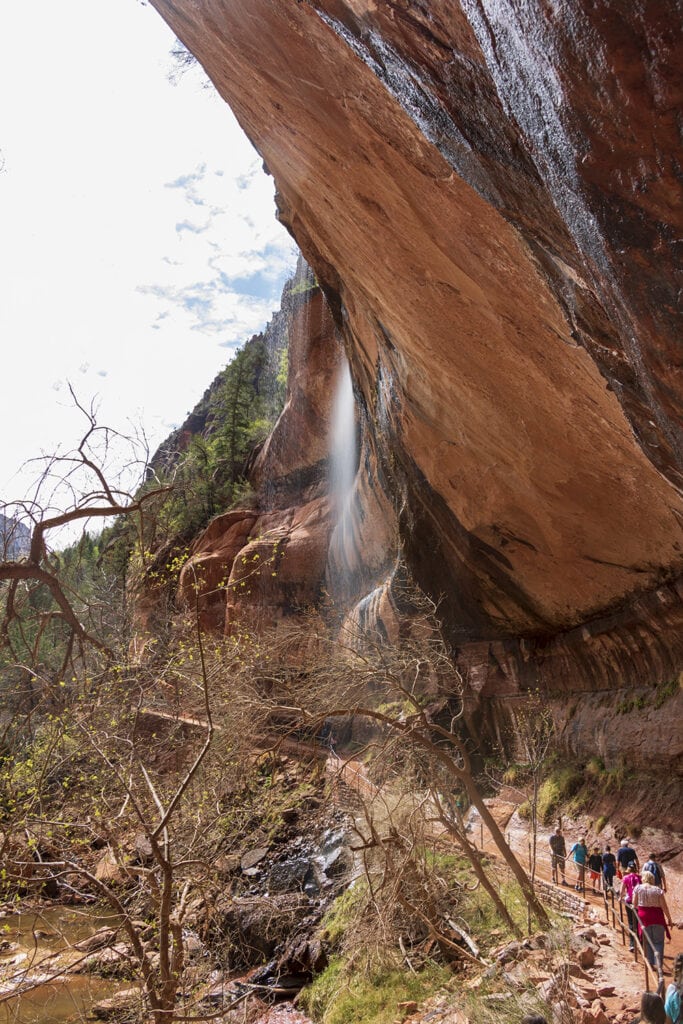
x: 508, y: 856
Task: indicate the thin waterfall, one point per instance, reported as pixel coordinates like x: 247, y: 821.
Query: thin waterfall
x: 343, y: 465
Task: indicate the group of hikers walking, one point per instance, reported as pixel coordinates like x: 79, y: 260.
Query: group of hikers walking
x: 642, y: 890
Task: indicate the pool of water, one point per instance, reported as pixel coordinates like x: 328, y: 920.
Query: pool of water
x: 35, y: 944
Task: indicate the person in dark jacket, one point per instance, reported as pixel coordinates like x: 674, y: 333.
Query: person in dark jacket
x: 626, y: 855
x: 609, y: 868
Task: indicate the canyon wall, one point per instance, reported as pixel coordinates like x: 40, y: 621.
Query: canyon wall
x: 488, y: 193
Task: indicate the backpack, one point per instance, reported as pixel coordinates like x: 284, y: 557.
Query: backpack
x: 653, y: 867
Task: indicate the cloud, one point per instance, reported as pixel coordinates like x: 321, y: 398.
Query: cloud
x: 196, y: 229
x: 190, y: 185
x: 242, y: 252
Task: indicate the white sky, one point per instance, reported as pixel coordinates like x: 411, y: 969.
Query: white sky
x: 138, y: 240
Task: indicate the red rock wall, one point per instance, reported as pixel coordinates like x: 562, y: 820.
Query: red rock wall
x: 487, y: 192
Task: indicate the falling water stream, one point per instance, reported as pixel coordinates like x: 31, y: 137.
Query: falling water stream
x: 343, y: 465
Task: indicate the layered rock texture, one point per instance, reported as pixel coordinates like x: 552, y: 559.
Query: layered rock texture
x: 488, y: 193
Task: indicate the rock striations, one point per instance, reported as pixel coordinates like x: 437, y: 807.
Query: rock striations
x: 488, y: 196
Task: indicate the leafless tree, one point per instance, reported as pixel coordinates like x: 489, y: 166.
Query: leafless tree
x: 410, y: 690
x: 73, y: 487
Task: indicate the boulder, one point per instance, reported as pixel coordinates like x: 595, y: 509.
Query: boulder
x: 118, y: 1006
x: 102, y: 937
x: 253, y: 857
x: 255, y: 926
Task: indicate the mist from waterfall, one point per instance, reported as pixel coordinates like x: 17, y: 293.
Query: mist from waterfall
x: 343, y: 465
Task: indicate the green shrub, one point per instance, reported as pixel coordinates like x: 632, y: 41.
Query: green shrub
x: 481, y: 917
x: 341, y: 915
x: 595, y: 768
x: 617, y: 776
x: 562, y: 784
x: 667, y: 690
x: 339, y: 996
x: 514, y: 774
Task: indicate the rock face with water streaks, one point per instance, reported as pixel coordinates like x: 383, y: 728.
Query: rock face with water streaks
x: 488, y: 194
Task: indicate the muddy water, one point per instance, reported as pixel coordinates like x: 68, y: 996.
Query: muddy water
x: 34, y: 947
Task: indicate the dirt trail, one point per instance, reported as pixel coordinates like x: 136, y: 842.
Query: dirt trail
x: 517, y: 834
x: 616, y: 965
x: 619, y: 979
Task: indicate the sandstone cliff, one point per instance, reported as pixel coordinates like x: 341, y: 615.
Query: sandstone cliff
x: 488, y: 195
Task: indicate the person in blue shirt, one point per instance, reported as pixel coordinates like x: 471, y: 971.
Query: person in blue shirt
x: 579, y: 854
x: 673, y: 1000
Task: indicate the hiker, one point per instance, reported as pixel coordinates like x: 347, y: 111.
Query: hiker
x: 579, y: 854
x: 558, y: 854
x: 609, y: 868
x: 654, y: 917
x: 595, y: 865
x: 625, y: 855
x: 651, y: 1009
x: 657, y: 870
x: 673, y: 1001
x: 628, y: 884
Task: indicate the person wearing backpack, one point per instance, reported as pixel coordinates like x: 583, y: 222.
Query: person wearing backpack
x: 656, y: 870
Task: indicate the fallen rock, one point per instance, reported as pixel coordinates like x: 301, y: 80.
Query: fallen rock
x: 111, y: 962
x: 576, y: 972
x: 102, y: 937
x: 227, y: 864
x: 586, y: 957
x: 508, y: 953
x: 409, y: 1006
x: 109, y: 1009
x: 253, y: 857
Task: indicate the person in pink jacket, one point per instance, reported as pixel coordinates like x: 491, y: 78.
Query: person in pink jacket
x: 654, y: 917
x: 628, y: 884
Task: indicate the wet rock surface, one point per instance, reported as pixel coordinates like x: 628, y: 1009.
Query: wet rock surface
x: 487, y: 199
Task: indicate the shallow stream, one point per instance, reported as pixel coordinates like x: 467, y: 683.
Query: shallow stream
x: 33, y: 947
